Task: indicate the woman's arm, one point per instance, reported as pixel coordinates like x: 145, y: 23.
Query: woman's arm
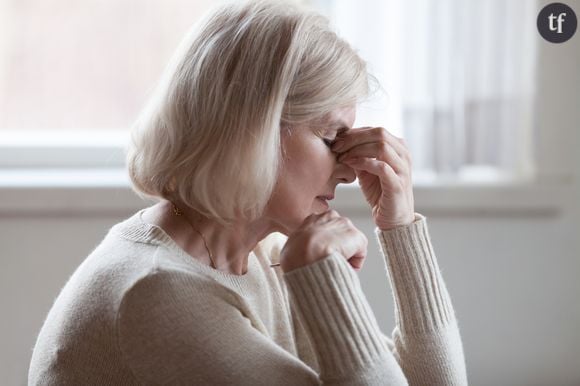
x: 340, y: 325
x: 426, y: 346
x: 427, y: 343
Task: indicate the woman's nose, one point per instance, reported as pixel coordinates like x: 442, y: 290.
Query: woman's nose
x: 344, y: 173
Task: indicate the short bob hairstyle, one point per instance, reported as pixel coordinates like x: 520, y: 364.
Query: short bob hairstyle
x: 210, y: 136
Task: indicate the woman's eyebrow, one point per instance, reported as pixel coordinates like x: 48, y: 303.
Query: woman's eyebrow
x: 340, y: 128
x: 340, y: 125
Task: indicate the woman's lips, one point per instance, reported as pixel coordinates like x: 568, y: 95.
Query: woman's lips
x: 323, y: 200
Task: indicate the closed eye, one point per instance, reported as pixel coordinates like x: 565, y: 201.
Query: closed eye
x: 328, y: 142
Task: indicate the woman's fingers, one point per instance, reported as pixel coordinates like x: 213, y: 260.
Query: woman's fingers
x: 382, y: 151
x: 322, y: 234
x: 355, y: 252
x: 383, y: 170
x: 364, y: 135
x: 323, y: 217
x: 348, y: 240
x: 383, y: 166
x: 357, y: 262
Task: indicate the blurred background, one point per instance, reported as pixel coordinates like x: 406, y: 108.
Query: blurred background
x: 488, y: 108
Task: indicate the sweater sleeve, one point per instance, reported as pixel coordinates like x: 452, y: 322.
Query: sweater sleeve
x: 175, y: 328
x: 427, y: 343
x: 348, y: 344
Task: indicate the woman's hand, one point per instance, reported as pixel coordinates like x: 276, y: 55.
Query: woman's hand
x: 319, y: 236
x: 382, y: 164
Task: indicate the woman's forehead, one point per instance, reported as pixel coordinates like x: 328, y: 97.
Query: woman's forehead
x: 340, y: 118
x: 344, y: 116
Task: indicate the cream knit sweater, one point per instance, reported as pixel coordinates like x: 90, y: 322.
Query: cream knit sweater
x: 139, y: 310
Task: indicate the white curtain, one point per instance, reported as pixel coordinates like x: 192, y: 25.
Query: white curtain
x: 457, y: 78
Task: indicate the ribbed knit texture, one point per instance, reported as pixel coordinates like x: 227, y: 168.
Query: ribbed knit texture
x: 139, y: 310
x: 425, y: 320
x: 340, y: 322
x: 424, y: 306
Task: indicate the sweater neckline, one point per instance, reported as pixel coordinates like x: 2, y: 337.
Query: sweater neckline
x: 136, y: 229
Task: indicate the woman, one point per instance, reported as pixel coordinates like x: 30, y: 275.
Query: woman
x: 241, y: 274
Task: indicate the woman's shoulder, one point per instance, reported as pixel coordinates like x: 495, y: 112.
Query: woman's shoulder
x: 129, y: 252
x: 134, y: 229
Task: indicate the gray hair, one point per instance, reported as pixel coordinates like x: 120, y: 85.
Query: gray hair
x: 210, y: 136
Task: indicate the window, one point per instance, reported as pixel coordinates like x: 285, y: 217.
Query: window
x: 458, y: 82
x: 74, y: 75
x: 85, y: 65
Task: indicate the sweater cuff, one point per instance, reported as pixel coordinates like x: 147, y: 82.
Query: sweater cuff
x: 337, y: 317
x: 422, y: 303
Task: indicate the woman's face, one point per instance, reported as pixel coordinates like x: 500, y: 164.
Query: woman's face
x: 310, y: 170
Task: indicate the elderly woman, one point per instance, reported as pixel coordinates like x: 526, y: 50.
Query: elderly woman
x: 241, y: 274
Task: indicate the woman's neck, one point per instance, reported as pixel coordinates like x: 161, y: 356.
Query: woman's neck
x: 230, y: 246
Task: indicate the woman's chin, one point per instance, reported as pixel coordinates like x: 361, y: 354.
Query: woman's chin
x: 318, y: 207
x: 321, y: 205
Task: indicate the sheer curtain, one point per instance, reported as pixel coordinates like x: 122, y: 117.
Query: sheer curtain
x: 457, y: 80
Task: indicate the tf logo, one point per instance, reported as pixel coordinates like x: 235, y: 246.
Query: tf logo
x: 557, y: 22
